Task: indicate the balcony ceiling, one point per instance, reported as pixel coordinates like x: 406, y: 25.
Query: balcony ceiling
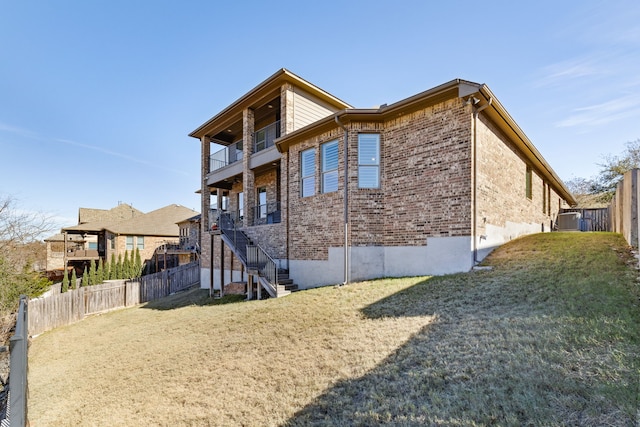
x: 233, y: 132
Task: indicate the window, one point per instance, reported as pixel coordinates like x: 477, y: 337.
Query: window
x: 544, y: 197
x: 308, y: 173
x: 368, y: 160
x: 113, y: 242
x: 262, y: 202
x: 240, y: 205
x: 329, y: 166
x: 528, y: 183
x: 139, y: 242
x: 93, y: 246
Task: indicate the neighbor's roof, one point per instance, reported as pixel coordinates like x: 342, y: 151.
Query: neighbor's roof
x: 161, y: 222
x: 121, y: 212
x: 60, y: 238
x: 455, y: 88
x: 261, y: 93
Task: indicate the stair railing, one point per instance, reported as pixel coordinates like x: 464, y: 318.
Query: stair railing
x: 260, y: 260
x: 236, y: 236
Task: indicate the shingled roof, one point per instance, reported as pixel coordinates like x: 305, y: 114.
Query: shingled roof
x: 161, y: 222
x: 121, y: 212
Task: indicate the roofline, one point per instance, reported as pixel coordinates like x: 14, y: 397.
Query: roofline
x: 281, y: 76
x: 526, y: 146
x: 452, y: 89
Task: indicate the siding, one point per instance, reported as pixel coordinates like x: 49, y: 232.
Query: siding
x: 307, y: 108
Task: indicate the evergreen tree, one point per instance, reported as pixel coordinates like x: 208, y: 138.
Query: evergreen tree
x: 74, y: 279
x: 100, y: 272
x: 105, y: 271
x: 92, y: 273
x: 112, y: 267
x: 126, y: 266
x: 85, y: 277
x: 119, y: 267
x: 137, y: 265
x: 65, y: 281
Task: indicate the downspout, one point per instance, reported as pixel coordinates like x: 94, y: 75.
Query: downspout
x: 476, y: 112
x: 346, y: 200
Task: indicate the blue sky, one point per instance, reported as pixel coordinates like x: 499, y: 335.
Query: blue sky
x: 97, y: 97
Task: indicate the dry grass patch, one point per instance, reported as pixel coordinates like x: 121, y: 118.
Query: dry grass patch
x: 252, y: 363
x: 550, y: 336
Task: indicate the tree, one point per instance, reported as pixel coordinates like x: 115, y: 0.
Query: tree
x: 119, y: 267
x: 20, y: 253
x: 74, y: 279
x: 92, y: 273
x: 113, y: 267
x: 126, y: 266
x: 100, y: 272
x: 85, y: 277
x: 614, y: 167
x: 65, y: 281
x: 137, y: 264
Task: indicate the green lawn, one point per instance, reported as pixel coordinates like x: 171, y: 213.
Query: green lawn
x: 549, y: 336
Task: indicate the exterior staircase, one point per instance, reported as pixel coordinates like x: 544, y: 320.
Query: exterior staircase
x: 273, y: 280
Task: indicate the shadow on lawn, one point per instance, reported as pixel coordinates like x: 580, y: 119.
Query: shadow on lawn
x: 478, y: 364
x: 191, y: 297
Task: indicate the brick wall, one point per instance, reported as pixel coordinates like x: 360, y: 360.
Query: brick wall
x: 425, y: 185
x: 501, y: 188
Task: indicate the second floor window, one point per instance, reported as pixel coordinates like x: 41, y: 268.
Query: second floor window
x: 307, y: 173
x: 368, y: 160
x: 329, y: 166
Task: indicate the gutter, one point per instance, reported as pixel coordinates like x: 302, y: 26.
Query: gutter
x: 476, y: 113
x: 346, y: 199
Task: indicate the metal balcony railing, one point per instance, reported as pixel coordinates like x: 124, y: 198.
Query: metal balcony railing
x: 228, y: 155
x: 268, y: 213
x: 263, y: 138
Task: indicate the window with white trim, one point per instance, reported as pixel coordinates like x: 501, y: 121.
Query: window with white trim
x: 329, y: 159
x: 369, y: 160
x: 308, y: 173
x: 129, y: 243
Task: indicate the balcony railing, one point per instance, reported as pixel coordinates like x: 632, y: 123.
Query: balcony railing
x: 266, y: 214
x: 226, y: 156
x: 263, y: 138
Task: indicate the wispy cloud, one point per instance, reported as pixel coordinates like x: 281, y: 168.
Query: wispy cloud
x: 603, y: 113
x: 121, y: 155
x: 104, y: 151
x: 16, y: 130
x: 4, y: 127
x: 583, y: 68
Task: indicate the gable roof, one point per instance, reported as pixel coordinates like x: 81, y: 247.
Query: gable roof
x: 121, y: 212
x: 452, y: 89
x: 161, y: 222
x: 261, y: 93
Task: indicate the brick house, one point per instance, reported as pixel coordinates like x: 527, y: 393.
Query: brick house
x: 434, y: 183
x: 101, y: 233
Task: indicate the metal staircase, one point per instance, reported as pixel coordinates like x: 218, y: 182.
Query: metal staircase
x: 256, y: 260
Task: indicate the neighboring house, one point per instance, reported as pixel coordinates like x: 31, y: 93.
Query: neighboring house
x: 434, y: 183
x: 126, y: 229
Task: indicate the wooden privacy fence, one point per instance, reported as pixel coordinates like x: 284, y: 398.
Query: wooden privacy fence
x: 59, y: 309
x: 596, y: 219
x: 625, y: 208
